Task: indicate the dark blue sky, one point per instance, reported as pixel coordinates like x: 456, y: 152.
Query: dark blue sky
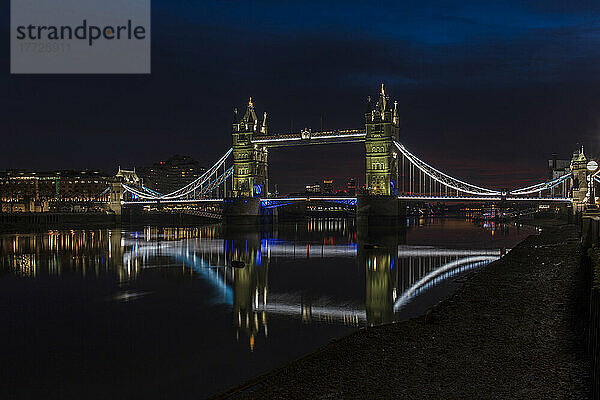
x: 488, y: 90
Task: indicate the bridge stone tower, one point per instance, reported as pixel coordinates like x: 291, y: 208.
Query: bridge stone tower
x: 116, y: 196
x: 382, y: 128
x: 580, y: 183
x: 250, y: 177
x: 117, y: 193
x: 379, y: 204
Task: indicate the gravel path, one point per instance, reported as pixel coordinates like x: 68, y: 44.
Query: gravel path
x: 513, y: 331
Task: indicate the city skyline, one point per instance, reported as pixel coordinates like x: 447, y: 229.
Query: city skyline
x: 487, y: 92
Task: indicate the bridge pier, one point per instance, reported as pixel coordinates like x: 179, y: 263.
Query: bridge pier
x: 380, y: 210
x: 241, y: 210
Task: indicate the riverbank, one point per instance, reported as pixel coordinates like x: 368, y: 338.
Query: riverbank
x: 32, y: 222
x: 516, y: 329
x: 594, y: 341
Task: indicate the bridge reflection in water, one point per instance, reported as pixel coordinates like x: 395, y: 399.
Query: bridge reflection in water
x: 394, y: 273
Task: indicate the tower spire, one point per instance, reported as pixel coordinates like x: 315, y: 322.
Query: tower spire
x: 381, y: 105
x: 249, y: 120
x: 263, y: 128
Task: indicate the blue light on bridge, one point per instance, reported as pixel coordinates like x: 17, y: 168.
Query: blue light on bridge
x: 274, y: 203
x: 268, y: 204
x: 349, y: 202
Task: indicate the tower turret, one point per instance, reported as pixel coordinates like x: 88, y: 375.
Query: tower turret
x: 263, y: 128
x: 250, y: 122
x: 382, y: 102
x: 236, y: 120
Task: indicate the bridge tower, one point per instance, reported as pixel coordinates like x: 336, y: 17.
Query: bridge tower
x: 117, y: 193
x: 379, y: 204
x: 250, y: 178
x: 382, y: 128
x: 116, y: 196
x: 580, y: 184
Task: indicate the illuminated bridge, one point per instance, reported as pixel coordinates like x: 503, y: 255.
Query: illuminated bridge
x: 238, y: 181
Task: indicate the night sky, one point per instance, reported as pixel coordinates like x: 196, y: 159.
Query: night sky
x: 486, y: 91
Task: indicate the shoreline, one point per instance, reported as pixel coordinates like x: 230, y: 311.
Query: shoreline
x: 515, y: 329
x: 36, y: 222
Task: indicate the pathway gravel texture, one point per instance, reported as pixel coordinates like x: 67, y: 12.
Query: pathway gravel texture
x: 515, y: 330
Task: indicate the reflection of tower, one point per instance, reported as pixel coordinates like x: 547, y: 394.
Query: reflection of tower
x: 249, y: 285
x: 250, y: 291
x: 378, y: 253
x: 381, y: 286
x: 115, y: 254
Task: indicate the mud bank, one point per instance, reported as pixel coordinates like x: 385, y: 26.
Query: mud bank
x: 516, y: 329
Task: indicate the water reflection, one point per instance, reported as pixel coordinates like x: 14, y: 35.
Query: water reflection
x: 395, y: 272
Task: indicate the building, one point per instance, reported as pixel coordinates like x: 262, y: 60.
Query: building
x: 351, y: 187
x: 327, y: 186
x: 557, y: 168
x: 64, y: 185
x: 172, y: 174
x: 313, y: 189
x: 37, y: 191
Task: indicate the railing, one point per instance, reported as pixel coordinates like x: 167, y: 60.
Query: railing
x: 300, y: 138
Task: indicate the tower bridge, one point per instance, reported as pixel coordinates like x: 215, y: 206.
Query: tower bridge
x: 239, y: 180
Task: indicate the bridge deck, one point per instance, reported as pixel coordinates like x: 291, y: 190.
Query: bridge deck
x: 279, y: 201
x: 485, y: 198
x: 306, y: 138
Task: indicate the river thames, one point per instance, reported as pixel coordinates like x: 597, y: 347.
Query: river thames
x: 189, y: 312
